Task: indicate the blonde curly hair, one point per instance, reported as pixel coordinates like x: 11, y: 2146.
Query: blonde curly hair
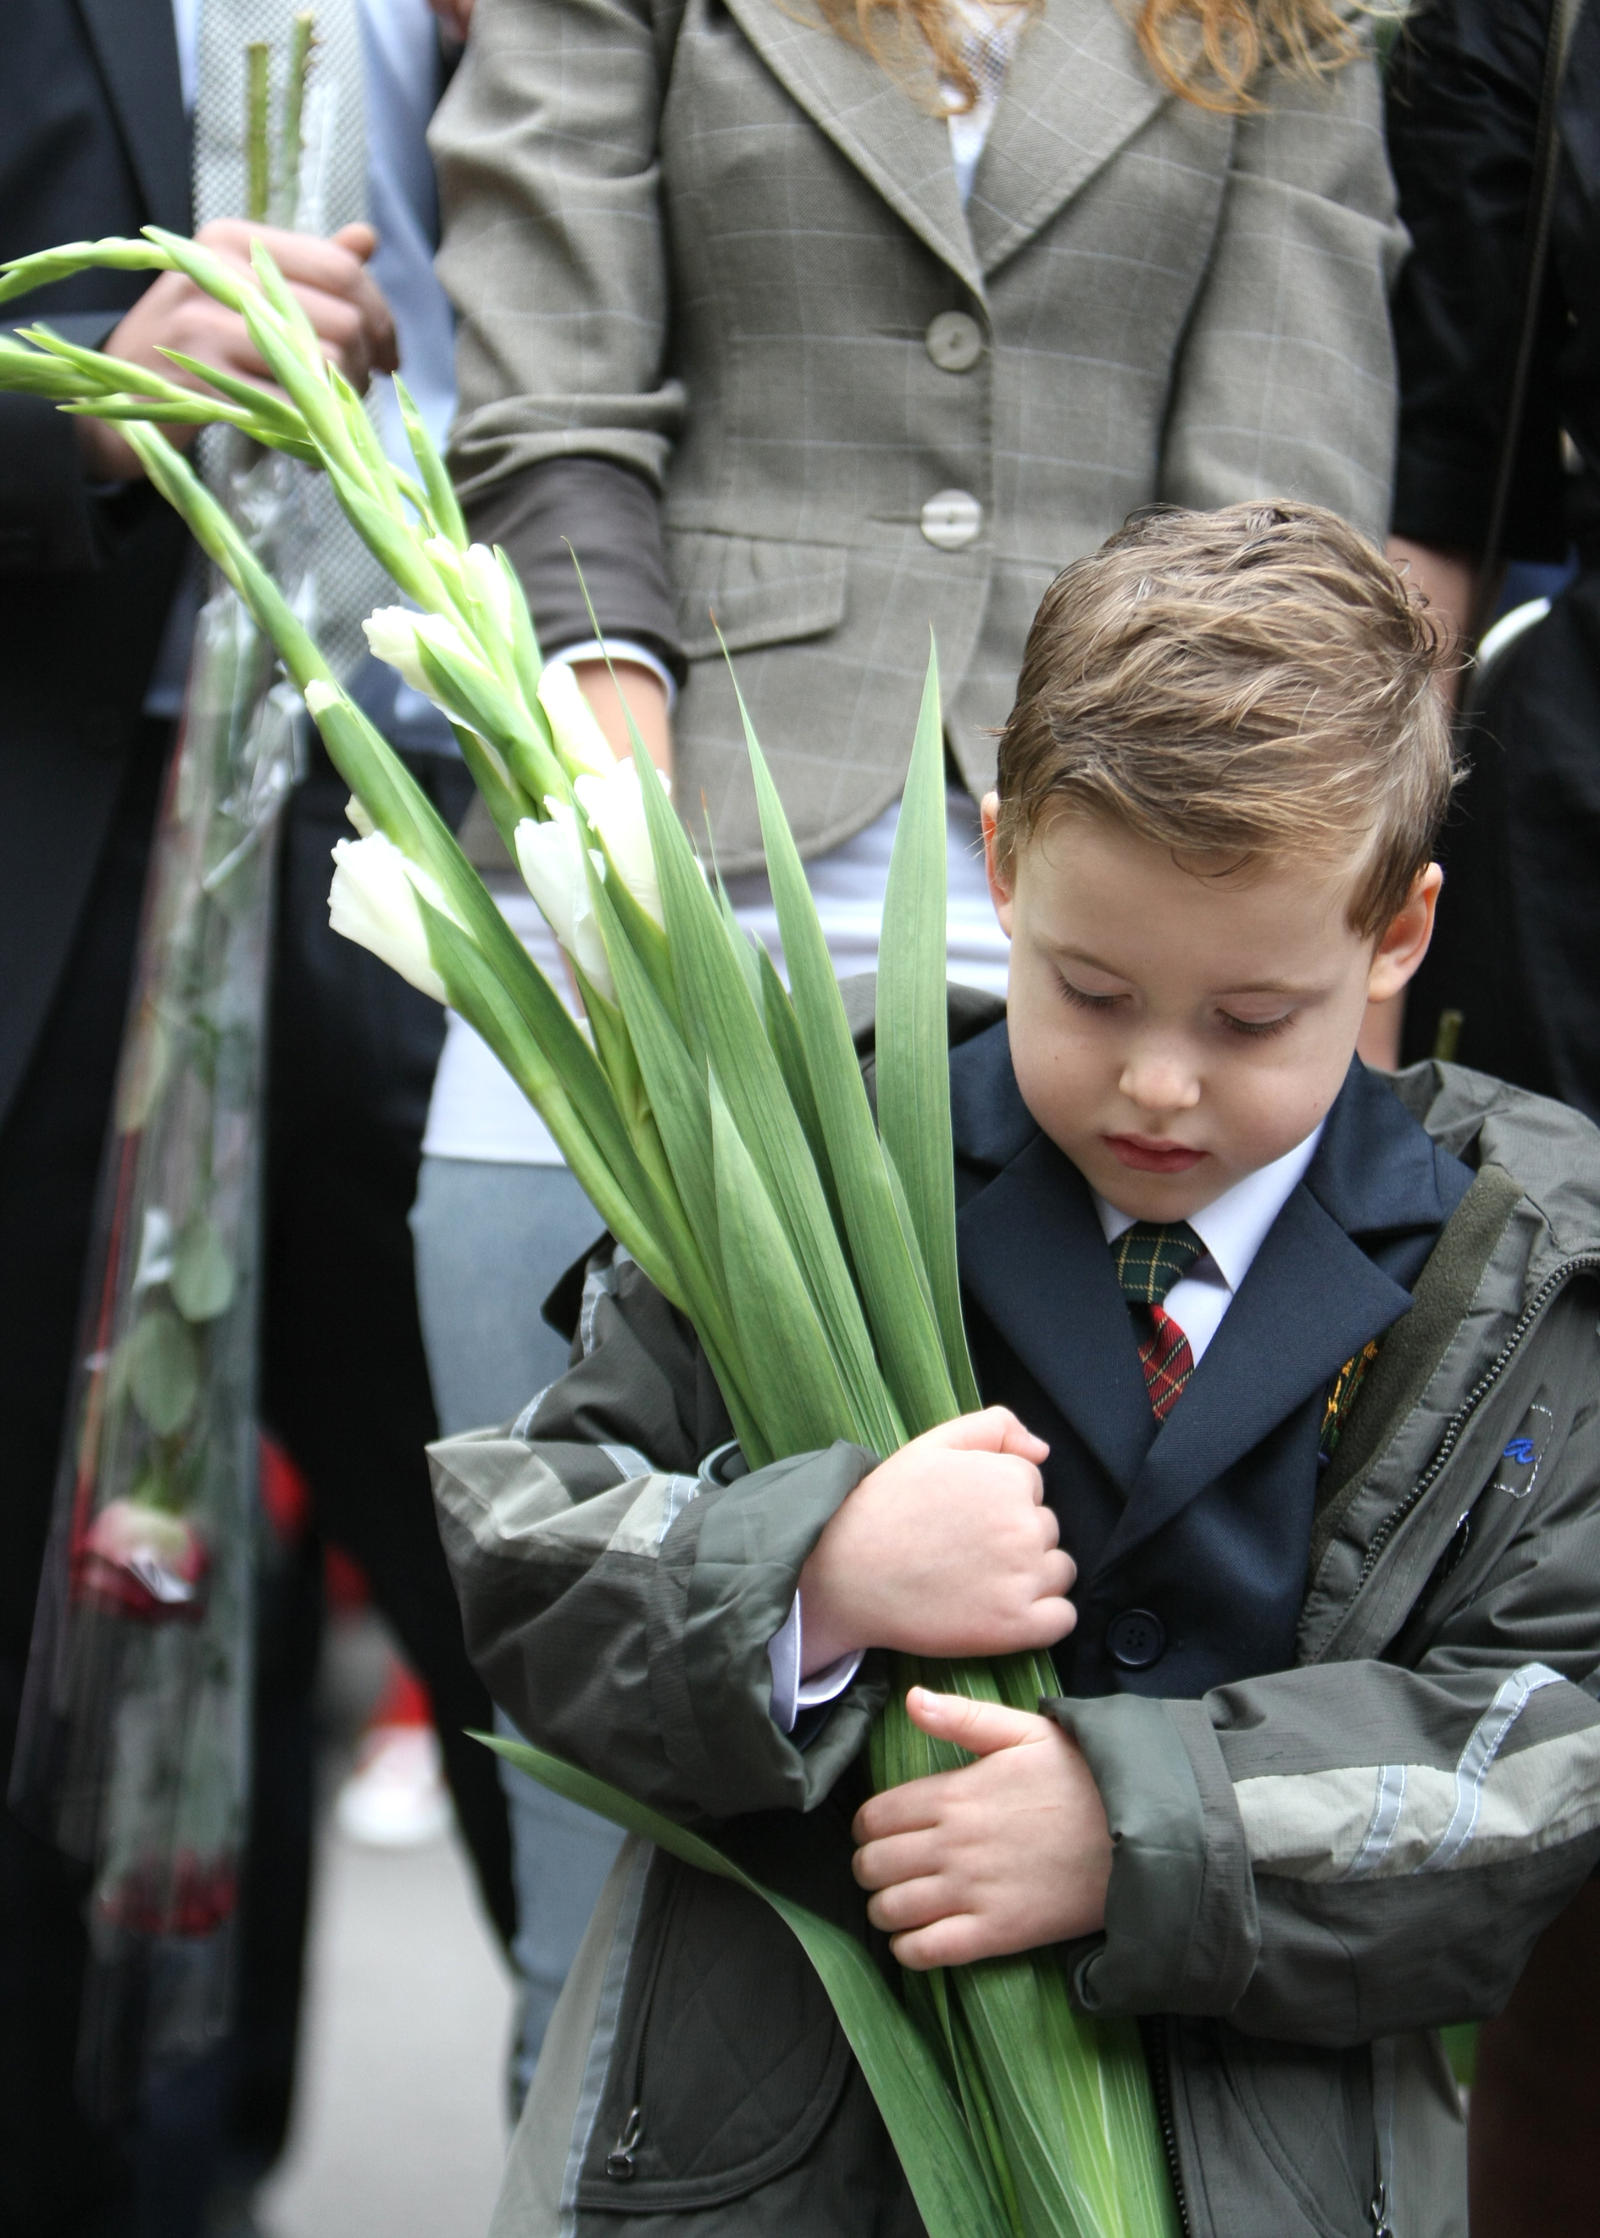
x: 1210, y: 52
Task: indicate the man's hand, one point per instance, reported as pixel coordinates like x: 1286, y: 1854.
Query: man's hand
x: 1006, y: 1854
x: 334, y: 288
x: 946, y: 1549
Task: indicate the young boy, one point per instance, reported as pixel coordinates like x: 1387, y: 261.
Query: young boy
x: 1292, y: 1384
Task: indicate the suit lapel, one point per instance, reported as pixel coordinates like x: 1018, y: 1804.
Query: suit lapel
x: 135, y: 45
x: 874, y: 118
x: 1034, y: 1258
x: 1076, y: 90
x: 1312, y: 1298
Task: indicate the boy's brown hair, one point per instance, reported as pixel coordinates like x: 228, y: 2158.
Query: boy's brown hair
x: 1240, y: 685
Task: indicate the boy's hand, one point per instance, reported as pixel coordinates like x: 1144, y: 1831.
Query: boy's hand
x: 946, y: 1549
x: 1003, y: 1855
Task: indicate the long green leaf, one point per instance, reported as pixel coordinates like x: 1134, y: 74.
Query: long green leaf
x: 721, y: 1015
x: 908, y: 1340
x: 803, y: 1399
x: 924, y: 2123
x: 913, y: 1033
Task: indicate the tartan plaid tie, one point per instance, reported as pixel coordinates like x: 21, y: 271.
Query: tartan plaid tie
x: 1150, y: 1257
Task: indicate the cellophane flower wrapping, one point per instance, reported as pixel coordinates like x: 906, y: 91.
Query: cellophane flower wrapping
x: 133, y: 1752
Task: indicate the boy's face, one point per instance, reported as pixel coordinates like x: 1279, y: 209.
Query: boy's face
x: 1173, y: 1032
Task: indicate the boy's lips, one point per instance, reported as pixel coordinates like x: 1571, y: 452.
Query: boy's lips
x: 1144, y: 1155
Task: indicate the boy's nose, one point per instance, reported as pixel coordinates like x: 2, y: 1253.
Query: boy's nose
x: 1159, y: 1080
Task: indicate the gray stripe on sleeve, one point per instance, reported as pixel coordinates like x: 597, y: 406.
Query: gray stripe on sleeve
x: 1386, y: 1807
x: 1484, y: 1744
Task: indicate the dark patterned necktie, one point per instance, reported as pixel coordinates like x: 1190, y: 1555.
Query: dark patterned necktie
x: 1149, y: 1258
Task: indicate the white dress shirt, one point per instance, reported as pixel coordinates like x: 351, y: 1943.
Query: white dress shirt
x: 1233, y: 1228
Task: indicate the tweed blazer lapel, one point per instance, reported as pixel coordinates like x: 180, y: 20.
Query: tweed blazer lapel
x: 872, y: 118
x: 1077, y: 89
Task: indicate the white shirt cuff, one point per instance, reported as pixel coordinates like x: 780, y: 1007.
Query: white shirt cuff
x: 790, y: 1692
x: 620, y: 649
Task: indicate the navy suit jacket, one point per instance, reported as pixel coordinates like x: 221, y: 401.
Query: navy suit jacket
x: 1191, y: 1536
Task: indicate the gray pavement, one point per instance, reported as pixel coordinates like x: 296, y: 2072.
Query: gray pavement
x: 400, y: 2114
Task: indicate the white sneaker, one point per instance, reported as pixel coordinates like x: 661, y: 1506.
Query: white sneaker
x: 396, y: 1796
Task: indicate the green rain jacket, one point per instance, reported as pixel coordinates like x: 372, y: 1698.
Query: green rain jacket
x: 1313, y: 1869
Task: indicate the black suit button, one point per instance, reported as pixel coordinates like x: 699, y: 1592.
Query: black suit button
x: 1136, y: 1639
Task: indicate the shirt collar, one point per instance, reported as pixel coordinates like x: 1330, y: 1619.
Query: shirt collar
x: 1234, y: 1226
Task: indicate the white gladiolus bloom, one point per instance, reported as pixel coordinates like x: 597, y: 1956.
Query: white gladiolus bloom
x: 614, y: 805
x: 356, y: 814
x: 579, y: 740
x: 550, y: 857
x: 487, y: 578
x: 373, y: 901
x: 394, y: 632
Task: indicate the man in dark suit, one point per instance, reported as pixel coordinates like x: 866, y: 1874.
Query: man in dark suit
x: 93, y: 608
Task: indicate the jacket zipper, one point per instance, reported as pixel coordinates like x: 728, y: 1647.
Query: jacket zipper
x: 1155, y: 2058
x: 620, y: 2159
x: 1588, y: 1263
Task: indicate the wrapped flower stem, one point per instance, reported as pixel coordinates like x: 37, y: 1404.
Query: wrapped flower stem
x: 133, y: 1747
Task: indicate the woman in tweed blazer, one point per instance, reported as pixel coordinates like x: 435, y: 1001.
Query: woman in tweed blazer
x: 727, y: 325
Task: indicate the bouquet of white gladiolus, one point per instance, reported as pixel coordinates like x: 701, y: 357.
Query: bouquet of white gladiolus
x: 719, y: 1121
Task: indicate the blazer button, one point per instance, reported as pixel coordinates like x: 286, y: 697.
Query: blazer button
x: 954, y: 342
x: 1136, y: 1639
x: 951, y: 518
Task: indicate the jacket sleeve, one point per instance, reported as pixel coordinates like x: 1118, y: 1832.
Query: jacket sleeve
x: 1285, y: 380
x: 51, y: 521
x: 553, y: 251
x: 618, y: 1603
x: 1463, y: 107
x: 1352, y: 1849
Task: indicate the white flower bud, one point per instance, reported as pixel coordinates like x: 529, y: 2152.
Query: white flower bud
x: 614, y: 806
x: 486, y: 578
x: 579, y: 740
x: 373, y: 901
x: 356, y: 814
x: 394, y: 633
x: 550, y: 857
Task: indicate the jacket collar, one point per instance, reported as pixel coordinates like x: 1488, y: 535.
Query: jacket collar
x: 135, y: 45
x: 1034, y: 1257
x: 1076, y: 90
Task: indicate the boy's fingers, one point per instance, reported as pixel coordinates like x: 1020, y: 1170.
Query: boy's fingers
x: 1047, y: 1624
x: 909, y: 1904
x: 994, y: 1430
x: 954, y: 1941
x: 911, y: 1808
x: 982, y: 1727
x: 898, y: 1857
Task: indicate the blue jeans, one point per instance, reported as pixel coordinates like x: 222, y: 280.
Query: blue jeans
x: 491, y: 1242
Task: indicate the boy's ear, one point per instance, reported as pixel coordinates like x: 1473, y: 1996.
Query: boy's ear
x: 1001, y: 885
x: 1404, y: 942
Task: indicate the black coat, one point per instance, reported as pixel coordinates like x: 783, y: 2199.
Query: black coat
x: 1519, y: 924
x: 92, y: 142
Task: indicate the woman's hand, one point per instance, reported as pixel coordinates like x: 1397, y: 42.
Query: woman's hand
x: 1006, y: 1854
x: 646, y: 701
